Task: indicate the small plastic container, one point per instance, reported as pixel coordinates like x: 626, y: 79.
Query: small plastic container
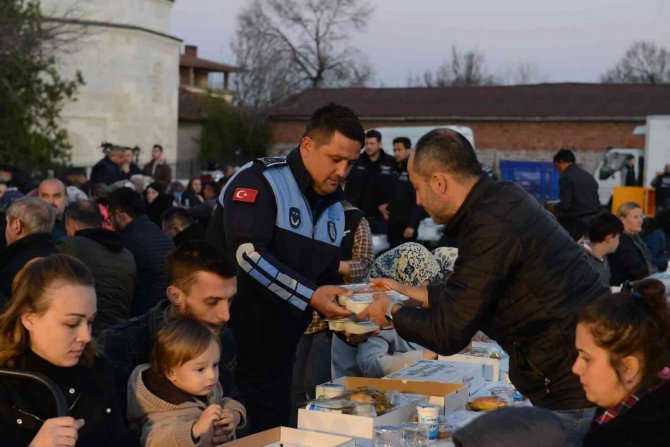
x: 338, y: 325
x: 359, y: 302
x: 360, y: 327
x: 330, y: 390
x: 444, y: 431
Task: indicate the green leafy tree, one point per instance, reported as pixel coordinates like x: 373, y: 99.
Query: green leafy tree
x: 32, y: 93
x: 229, y: 135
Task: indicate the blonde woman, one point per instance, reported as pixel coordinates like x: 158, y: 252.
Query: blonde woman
x: 632, y: 259
x: 46, y: 328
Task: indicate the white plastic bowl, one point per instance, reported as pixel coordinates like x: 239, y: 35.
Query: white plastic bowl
x: 359, y: 302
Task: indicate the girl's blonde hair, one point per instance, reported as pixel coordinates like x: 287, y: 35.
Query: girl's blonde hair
x: 28, y: 295
x: 626, y: 208
x: 178, y: 342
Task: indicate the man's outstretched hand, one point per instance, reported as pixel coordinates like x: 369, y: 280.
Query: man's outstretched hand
x: 377, y: 310
x: 325, y: 302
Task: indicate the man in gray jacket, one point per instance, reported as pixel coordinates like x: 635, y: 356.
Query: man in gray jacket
x: 101, y: 250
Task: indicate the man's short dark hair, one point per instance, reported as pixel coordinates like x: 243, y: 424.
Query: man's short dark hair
x: 160, y: 148
x: 603, y: 225
x: 565, y: 155
x: 374, y: 134
x: 85, y: 212
x: 176, y: 216
x: 126, y: 200
x: 404, y: 141
x: 446, y: 150
x: 332, y: 117
x: 193, y: 257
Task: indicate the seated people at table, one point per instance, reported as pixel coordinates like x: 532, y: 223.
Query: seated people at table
x: 177, y: 398
x: 411, y: 264
x: 632, y: 259
x: 604, y: 235
x: 623, y: 342
x: 47, y: 329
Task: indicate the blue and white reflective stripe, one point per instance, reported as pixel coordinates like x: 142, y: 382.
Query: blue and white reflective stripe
x: 304, y: 291
x: 282, y: 285
x: 300, y: 304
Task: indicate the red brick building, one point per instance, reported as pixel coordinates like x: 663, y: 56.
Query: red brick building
x: 197, y: 78
x: 526, y: 122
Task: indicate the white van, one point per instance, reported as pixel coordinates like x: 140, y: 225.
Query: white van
x: 416, y: 132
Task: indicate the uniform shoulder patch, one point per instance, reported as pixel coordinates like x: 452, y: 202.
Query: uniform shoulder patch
x: 245, y: 195
x: 269, y: 162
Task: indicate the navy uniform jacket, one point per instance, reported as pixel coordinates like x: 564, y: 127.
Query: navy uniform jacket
x: 286, y: 241
x: 370, y: 183
x: 402, y: 203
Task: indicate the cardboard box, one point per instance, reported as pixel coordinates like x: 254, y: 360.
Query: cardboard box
x: 452, y: 396
x: 469, y: 374
x: 290, y: 437
x: 495, y: 370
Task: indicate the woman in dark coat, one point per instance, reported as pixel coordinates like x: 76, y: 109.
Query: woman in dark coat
x: 632, y: 259
x: 623, y: 341
x: 157, y: 202
x: 193, y: 195
x: 46, y: 329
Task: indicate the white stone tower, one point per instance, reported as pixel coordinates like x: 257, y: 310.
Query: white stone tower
x: 130, y: 64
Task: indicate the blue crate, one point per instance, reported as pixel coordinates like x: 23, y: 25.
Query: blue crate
x: 539, y: 178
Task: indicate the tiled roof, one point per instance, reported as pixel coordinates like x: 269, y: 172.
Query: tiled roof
x: 196, y: 62
x: 525, y: 102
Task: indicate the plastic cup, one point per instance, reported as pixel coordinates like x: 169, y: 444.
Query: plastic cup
x: 387, y: 436
x: 414, y: 434
x: 429, y: 415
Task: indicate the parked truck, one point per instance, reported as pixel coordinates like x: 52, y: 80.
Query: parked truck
x: 610, y: 171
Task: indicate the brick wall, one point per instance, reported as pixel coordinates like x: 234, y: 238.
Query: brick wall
x: 521, y: 140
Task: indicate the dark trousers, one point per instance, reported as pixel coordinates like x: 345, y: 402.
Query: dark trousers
x: 396, y: 235
x: 267, y: 398
x: 311, y: 368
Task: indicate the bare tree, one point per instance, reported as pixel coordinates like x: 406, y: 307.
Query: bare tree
x: 468, y: 68
x: 643, y: 62
x: 521, y: 72
x: 285, y: 46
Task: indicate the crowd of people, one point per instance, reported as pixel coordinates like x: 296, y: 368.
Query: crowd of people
x: 178, y: 316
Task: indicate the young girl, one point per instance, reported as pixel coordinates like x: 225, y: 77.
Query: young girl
x: 178, y: 399
x: 623, y: 341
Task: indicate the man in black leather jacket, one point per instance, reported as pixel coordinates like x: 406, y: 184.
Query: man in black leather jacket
x: 578, y: 193
x: 519, y: 277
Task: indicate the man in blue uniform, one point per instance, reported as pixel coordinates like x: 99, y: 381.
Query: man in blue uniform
x: 282, y: 220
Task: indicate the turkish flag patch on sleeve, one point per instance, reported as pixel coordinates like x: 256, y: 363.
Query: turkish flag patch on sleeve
x: 245, y: 195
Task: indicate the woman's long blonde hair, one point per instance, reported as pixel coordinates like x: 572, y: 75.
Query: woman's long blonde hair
x: 28, y: 290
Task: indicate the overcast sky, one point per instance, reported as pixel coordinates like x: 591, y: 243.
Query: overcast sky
x: 568, y: 40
